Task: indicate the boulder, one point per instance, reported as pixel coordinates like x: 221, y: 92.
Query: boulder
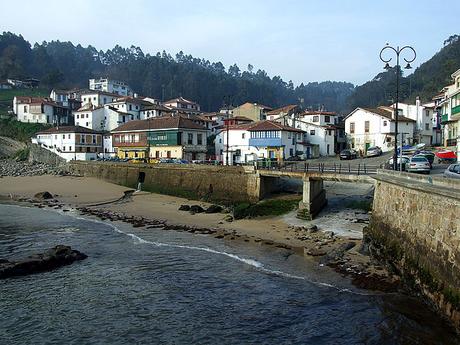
x: 214, y: 209
x: 184, y: 208
x: 43, y: 196
x: 228, y: 218
x: 51, y: 259
x: 196, y: 209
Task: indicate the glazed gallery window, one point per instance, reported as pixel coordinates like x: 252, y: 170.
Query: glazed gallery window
x: 199, y: 138
x: 316, y: 118
x: 190, y: 138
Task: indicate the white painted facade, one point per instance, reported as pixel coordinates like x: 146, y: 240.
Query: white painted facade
x: 97, y: 98
x: 90, y: 117
x: 321, y: 136
x: 365, y: 128
x: 70, y: 145
x: 241, y: 152
x: 110, y: 85
x: 424, y: 118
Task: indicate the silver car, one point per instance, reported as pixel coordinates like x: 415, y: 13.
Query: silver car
x: 419, y: 163
x: 373, y: 151
x: 453, y: 171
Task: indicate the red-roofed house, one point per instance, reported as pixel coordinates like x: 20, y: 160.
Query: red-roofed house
x: 40, y: 110
x: 259, y: 140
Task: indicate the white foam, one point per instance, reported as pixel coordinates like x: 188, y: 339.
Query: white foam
x: 251, y: 262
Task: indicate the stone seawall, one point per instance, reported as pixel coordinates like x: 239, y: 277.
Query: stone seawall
x: 213, y: 183
x: 415, y: 230
x: 41, y: 155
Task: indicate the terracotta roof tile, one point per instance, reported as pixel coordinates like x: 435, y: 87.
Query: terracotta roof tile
x: 164, y: 122
x: 68, y: 129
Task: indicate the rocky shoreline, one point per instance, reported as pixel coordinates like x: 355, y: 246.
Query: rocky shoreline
x: 9, y: 167
x: 346, y: 256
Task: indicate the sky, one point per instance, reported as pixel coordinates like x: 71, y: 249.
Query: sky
x: 302, y: 41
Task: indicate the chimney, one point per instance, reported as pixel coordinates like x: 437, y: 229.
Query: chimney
x: 417, y: 101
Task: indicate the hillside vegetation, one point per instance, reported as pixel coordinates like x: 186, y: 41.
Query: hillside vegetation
x: 20, y: 131
x: 426, y: 81
x: 65, y: 65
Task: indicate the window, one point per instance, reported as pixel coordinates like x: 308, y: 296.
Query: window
x: 427, y: 126
x: 385, y: 123
x: 94, y: 98
x: 63, y: 136
x: 82, y: 140
x: 189, y: 139
x: 312, y: 132
x: 291, y: 152
x: 168, y: 154
x: 243, y: 135
x: 63, y: 148
x: 116, y: 138
x: 88, y: 149
x: 130, y: 107
x: 70, y: 148
x: 94, y: 139
x: 366, y: 126
x: 199, y: 139
x: 25, y: 108
x: 68, y: 137
x: 87, y: 124
x: 289, y: 135
x: 327, y: 118
x: 427, y: 113
x: 78, y: 116
x: 352, y: 127
x: 316, y: 118
x: 55, y: 137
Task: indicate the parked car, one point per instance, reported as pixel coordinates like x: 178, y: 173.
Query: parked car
x: 405, y: 161
x: 348, y: 154
x: 428, y: 155
x: 373, y: 151
x: 419, y: 163
x: 453, y: 171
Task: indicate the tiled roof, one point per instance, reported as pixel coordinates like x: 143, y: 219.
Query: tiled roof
x: 387, y: 114
x: 310, y: 112
x: 89, y: 107
x: 68, y: 129
x: 164, y: 122
x: 285, y: 109
x: 180, y: 100
x: 129, y: 99
x: 37, y: 100
x: 156, y: 107
x: 270, y: 126
x: 257, y: 104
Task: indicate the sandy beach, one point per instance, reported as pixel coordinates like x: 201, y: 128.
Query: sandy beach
x: 316, y: 239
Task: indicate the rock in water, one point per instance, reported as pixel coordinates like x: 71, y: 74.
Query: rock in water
x: 43, y: 196
x: 51, y: 259
x: 196, y: 209
x: 184, y: 208
x: 214, y: 209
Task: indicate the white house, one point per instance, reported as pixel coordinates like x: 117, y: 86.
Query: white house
x: 366, y: 127
x: 320, y: 128
x: 39, y: 110
x: 287, y: 110
x: 110, y: 85
x: 90, y: 116
x: 182, y: 105
x: 71, y: 142
x: 97, y: 97
x: 450, y: 113
x: 258, y: 140
x: 423, y: 117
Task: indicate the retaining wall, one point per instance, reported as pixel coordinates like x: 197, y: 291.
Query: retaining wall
x: 39, y: 154
x: 214, y: 183
x: 415, y: 229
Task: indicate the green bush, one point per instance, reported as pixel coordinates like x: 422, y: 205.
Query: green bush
x: 20, y: 131
x: 274, y: 207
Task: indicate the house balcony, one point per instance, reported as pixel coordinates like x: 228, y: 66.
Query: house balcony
x: 265, y: 142
x: 444, y: 118
x: 456, y: 111
x: 195, y: 148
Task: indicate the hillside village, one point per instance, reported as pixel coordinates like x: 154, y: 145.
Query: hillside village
x: 111, y: 121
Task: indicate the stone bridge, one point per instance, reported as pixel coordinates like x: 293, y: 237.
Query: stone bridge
x: 314, y: 194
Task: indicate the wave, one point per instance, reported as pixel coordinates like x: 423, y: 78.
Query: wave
x: 248, y: 261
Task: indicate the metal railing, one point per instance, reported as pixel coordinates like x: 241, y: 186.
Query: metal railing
x: 336, y: 168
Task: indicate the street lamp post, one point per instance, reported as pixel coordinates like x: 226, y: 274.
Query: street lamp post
x: 398, y: 51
